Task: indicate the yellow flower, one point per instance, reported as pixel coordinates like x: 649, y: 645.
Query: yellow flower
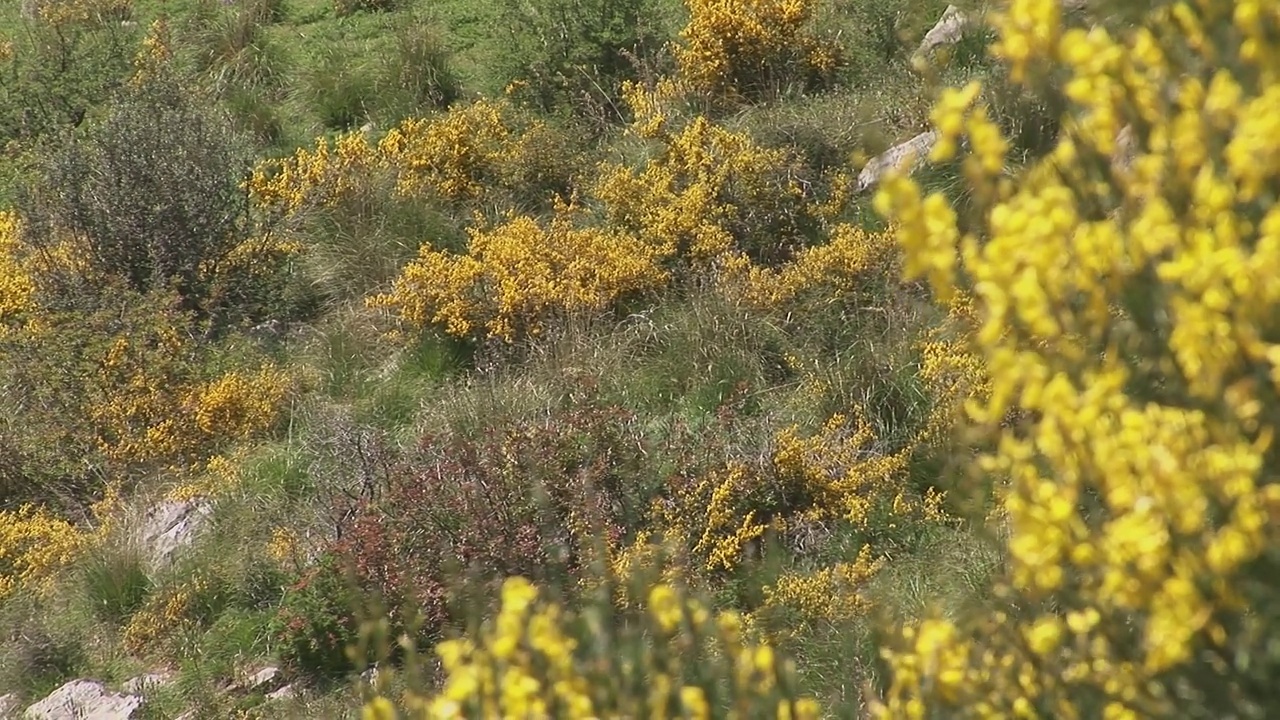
x: 379, y: 708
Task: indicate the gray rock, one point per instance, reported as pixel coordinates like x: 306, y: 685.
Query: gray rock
x: 84, y: 700
x: 9, y: 704
x: 171, y: 526
x: 946, y: 31
x: 913, y: 150
x: 264, y: 680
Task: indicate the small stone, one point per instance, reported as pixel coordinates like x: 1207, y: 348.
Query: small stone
x: 284, y: 692
x: 262, y: 680
x: 147, y: 683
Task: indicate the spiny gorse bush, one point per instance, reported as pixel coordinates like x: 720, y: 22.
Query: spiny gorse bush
x: 122, y: 390
x: 516, y: 274
x: 1127, y: 312
x: 487, y: 152
x: 36, y: 544
x: 708, y: 205
x: 757, y: 49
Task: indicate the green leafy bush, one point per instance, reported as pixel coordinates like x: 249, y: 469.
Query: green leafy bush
x: 573, y: 55
x: 53, y: 74
x: 152, y: 195
x: 316, y: 623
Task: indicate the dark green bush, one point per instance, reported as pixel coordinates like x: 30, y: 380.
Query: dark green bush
x: 152, y: 190
x: 58, y: 74
x: 573, y: 55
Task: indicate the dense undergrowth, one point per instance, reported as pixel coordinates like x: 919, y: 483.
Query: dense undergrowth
x: 546, y: 356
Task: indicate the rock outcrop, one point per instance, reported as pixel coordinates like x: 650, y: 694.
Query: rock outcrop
x: 84, y: 700
x: 172, y: 525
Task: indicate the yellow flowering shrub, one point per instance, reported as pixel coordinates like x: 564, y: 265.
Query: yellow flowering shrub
x: 149, y: 405
x: 1127, y: 312
x: 846, y: 470
x: 841, y: 475
x: 951, y: 370
x: 64, y: 12
x: 165, y: 611
x: 318, y: 177
x: 753, y: 48
x: 487, y: 152
x: 152, y: 59
x: 237, y: 404
x: 852, y: 259
x: 709, y: 193
x: 537, y: 659
x: 518, y: 273
x: 16, y: 286
x: 34, y: 544
x: 831, y: 593
x: 469, y: 151
x: 219, y: 475
x: 122, y: 390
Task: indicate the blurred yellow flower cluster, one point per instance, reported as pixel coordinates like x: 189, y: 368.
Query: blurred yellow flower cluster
x: 532, y: 662
x: 1127, y: 312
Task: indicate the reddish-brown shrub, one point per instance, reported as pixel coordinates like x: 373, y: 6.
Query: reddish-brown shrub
x: 541, y: 498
